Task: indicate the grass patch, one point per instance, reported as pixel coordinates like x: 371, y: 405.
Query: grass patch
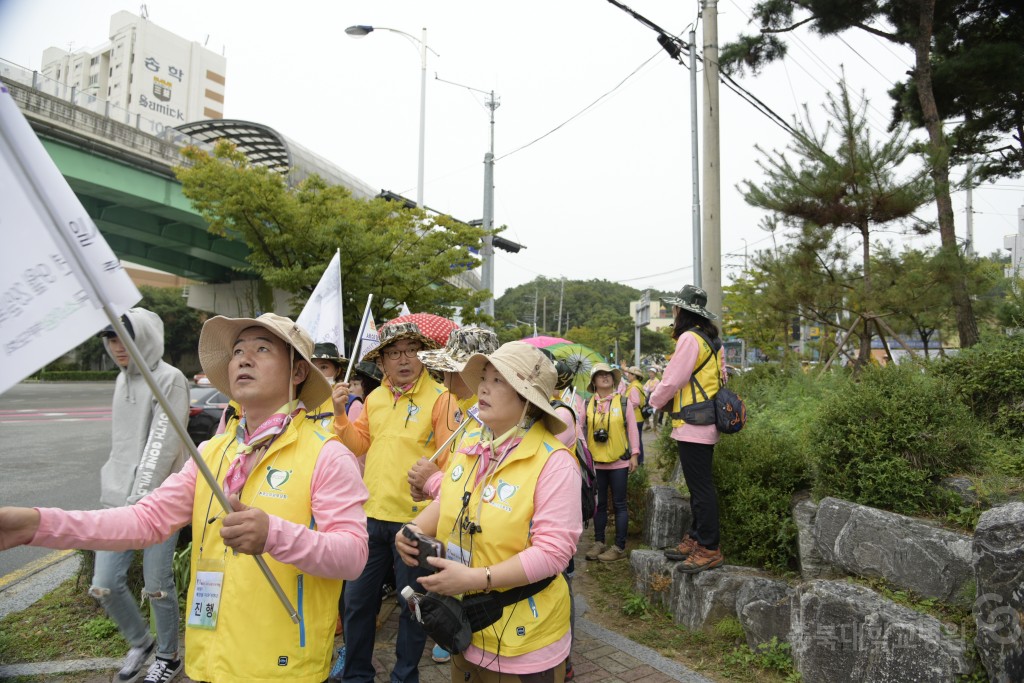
x: 65, y: 624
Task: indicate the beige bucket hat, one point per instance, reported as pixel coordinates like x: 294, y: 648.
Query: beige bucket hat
x: 635, y: 371
x: 604, y: 367
x: 462, y: 343
x: 527, y: 370
x: 218, y: 338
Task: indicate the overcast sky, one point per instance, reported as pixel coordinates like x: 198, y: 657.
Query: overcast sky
x: 606, y: 194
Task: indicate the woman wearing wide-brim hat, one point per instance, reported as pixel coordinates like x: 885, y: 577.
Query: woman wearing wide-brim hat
x: 614, y: 442
x: 519, y: 523
x: 695, y: 358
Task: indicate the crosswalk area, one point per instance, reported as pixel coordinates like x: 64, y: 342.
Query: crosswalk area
x: 31, y: 415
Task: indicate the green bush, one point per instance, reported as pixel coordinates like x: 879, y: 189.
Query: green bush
x: 758, y: 470
x: 78, y: 375
x: 989, y: 378
x: 886, y: 440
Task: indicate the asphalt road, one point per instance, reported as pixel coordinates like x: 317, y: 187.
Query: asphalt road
x: 53, y: 440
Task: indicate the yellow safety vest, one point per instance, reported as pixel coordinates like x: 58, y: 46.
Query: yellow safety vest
x: 614, y: 421
x: 707, y: 377
x: 254, y: 639
x: 401, y: 432
x: 638, y: 417
x: 502, y: 506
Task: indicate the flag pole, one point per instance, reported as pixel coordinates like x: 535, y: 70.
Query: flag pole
x: 359, y: 338
x: 341, y: 306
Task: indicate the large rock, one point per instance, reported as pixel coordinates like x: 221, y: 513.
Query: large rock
x: 842, y: 632
x: 907, y: 553
x: 668, y: 517
x: 999, y: 608
x: 812, y: 564
x: 652, y: 576
x: 764, y: 609
x: 699, y: 601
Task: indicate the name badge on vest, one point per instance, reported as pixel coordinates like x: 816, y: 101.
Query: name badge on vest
x: 206, y: 595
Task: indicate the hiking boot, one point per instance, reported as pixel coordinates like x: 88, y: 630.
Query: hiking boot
x: 683, y: 550
x: 595, y: 550
x: 133, y: 662
x: 163, y: 671
x: 613, y: 554
x: 701, y: 559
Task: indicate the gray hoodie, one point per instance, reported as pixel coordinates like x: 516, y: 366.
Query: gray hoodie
x: 145, y: 448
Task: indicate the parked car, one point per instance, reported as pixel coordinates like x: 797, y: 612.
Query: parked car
x: 206, y: 404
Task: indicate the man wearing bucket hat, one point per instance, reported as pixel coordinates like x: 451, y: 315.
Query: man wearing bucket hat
x: 614, y: 443
x: 296, y: 498
x: 518, y: 525
x: 694, y: 358
x: 407, y: 418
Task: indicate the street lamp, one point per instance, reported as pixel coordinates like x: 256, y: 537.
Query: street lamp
x: 360, y: 30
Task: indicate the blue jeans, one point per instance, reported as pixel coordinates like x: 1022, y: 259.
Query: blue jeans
x: 616, y: 479
x: 110, y: 587
x: 362, y: 603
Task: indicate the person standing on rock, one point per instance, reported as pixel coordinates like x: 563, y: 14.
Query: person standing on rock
x: 695, y: 435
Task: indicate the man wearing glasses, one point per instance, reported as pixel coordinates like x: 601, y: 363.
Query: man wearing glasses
x: 407, y: 418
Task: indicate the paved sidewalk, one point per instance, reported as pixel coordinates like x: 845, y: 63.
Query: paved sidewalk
x: 599, y: 655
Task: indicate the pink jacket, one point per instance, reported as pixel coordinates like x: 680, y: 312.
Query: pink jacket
x: 676, y: 376
x: 336, y: 549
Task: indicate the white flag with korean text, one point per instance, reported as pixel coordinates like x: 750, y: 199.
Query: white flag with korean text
x: 57, y: 271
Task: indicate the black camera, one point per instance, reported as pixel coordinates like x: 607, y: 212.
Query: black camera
x: 428, y: 547
x: 600, y: 435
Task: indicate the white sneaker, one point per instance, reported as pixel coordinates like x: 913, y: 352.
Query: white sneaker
x: 133, y: 662
x: 162, y: 671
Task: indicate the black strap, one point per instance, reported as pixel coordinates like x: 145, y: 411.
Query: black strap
x: 514, y: 595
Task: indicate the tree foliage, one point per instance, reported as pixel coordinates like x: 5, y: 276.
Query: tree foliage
x: 979, y: 83
x: 182, y: 324
x: 395, y: 253
x: 594, y: 313
x: 905, y: 22
x: 849, y: 183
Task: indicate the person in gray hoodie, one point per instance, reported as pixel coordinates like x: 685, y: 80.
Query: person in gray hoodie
x: 145, y: 450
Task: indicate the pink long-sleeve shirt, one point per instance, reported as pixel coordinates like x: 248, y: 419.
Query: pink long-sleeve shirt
x: 554, y: 531
x: 336, y: 549
x: 676, y: 376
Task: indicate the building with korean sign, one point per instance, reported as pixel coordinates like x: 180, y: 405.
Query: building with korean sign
x: 145, y: 70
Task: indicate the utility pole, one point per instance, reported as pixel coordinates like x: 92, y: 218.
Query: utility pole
x: 487, y: 251
x: 544, y: 319
x: 695, y: 161
x: 561, y: 296
x: 711, y: 267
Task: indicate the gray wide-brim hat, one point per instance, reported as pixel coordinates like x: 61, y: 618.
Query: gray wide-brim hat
x: 527, y: 370
x: 604, y: 367
x: 463, y: 342
x: 394, y: 332
x: 217, y: 340
x: 692, y: 299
